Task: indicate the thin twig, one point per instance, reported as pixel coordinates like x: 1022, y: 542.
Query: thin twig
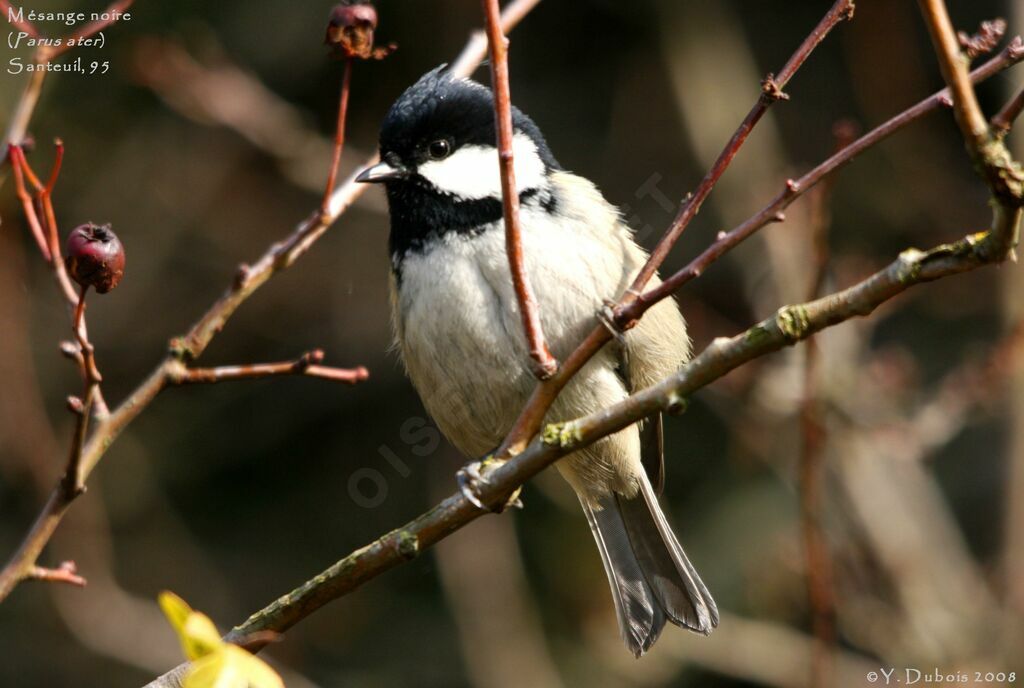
x: 189, y: 346
x: 1005, y: 118
x: 544, y: 364
x: 339, y: 134
x: 73, y: 482
x: 532, y: 415
x: 67, y: 573
x: 19, y: 166
x: 307, y: 364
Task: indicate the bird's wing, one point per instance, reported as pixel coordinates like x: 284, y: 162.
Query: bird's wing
x: 652, y: 435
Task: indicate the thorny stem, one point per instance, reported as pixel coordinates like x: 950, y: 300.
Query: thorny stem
x: 339, y: 135
x: 191, y: 345
x: 544, y: 364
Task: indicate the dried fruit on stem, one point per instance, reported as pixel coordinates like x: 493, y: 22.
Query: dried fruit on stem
x: 350, y: 31
x: 95, y: 257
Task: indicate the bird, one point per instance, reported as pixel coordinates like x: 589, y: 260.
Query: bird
x: 458, y: 330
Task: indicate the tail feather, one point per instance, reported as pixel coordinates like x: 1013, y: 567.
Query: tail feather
x: 652, y: 579
x: 682, y: 594
x: 640, y: 616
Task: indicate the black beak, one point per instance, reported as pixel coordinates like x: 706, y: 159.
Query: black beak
x: 381, y: 172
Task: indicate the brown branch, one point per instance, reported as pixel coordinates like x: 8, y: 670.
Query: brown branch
x: 190, y: 346
x: 953, y: 64
x: 339, y: 134
x: 544, y: 364
x: 543, y: 396
x: 811, y: 468
x: 307, y: 364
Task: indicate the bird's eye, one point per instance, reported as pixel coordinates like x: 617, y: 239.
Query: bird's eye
x: 439, y: 149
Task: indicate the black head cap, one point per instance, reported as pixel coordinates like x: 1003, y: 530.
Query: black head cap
x: 439, y: 106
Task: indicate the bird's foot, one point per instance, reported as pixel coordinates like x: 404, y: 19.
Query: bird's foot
x: 472, y: 478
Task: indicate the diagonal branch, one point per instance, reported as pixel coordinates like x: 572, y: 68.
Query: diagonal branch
x: 544, y: 364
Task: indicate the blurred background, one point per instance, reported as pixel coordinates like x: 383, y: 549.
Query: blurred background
x: 209, y: 139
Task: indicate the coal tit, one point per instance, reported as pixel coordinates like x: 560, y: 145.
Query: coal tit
x: 457, y: 325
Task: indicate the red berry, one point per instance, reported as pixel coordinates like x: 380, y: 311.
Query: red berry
x: 95, y: 257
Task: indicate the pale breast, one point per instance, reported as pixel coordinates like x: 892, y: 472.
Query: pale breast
x: 458, y: 324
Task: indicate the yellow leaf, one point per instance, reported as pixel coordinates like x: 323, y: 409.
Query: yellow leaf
x: 231, y: 667
x: 176, y: 610
x: 215, y: 664
x: 199, y: 636
x: 196, y: 632
x: 214, y: 671
x: 257, y: 672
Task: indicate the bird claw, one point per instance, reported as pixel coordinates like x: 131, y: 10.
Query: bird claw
x: 473, y: 477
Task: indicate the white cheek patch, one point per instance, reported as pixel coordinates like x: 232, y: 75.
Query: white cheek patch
x: 472, y: 172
